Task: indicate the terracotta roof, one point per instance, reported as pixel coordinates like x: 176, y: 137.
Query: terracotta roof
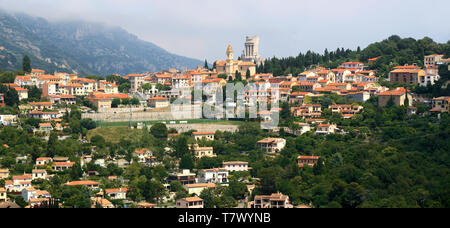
x: 159, y: 98
x: 85, y: 182
x: 193, y: 199
x: 308, y: 157
x: 134, y: 75
x: 203, y: 133
x: 64, y: 163
x: 22, y: 177
x: 200, y: 185
x: 39, y: 171
x: 398, y: 92
x: 20, y: 89
x: 114, y: 190
x: 403, y: 70
x: 41, y: 113
x: 40, y: 103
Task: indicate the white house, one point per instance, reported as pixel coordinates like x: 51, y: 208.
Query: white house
x: 235, y: 166
x: 117, y: 193
x: 39, y: 174
x: 215, y: 175
x: 32, y: 193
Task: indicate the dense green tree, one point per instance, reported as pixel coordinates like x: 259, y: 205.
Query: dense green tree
x: 159, y: 131
x: 26, y: 64
x: 186, y: 162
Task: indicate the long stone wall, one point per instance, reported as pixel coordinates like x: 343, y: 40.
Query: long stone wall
x: 203, y: 127
x: 177, y: 113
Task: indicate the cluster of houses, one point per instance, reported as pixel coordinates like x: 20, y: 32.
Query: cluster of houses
x: 352, y: 80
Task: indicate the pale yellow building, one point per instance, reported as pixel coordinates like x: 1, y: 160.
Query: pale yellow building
x: 200, y: 152
x: 230, y: 66
x: 4, y: 173
x: 198, y: 188
x: 3, y: 196
x: 203, y: 135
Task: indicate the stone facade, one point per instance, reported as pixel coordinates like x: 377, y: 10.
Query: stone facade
x: 230, y: 66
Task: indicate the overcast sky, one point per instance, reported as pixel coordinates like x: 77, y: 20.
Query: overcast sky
x: 202, y: 29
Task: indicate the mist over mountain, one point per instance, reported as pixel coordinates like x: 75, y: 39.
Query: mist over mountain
x: 80, y: 47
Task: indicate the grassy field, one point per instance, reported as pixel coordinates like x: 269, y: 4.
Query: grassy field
x: 114, y: 134
x: 114, y: 131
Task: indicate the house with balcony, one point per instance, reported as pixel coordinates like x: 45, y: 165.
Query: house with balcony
x: 276, y: 200
x: 39, y: 174
x: 307, y: 111
x: 203, y: 135
x: 271, y: 145
x: 43, y: 161
x: 61, y: 166
x: 190, y: 202
x: 310, y: 161
x: 235, y: 166
x: 215, y: 175
x: 441, y: 104
x: 117, y: 193
x: 326, y: 129
x: 200, y: 152
x: 184, y: 177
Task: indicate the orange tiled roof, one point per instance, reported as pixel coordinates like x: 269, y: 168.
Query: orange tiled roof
x: 86, y: 182
x: 203, y: 133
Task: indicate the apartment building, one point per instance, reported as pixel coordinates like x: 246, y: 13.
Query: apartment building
x: 235, y: 166
x: 406, y: 74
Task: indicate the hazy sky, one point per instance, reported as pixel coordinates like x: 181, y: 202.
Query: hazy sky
x: 203, y: 28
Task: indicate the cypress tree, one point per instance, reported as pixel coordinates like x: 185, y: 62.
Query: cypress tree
x: 26, y: 64
x: 206, y: 64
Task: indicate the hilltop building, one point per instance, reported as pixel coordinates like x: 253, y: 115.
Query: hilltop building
x: 251, y: 51
x: 230, y: 66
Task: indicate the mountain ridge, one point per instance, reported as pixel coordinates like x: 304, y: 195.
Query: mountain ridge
x: 87, y: 48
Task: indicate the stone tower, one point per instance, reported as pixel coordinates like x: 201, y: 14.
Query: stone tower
x: 251, y: 50
x: 230, y: 55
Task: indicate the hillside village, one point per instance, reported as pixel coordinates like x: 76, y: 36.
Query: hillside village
x: 53, y: 156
